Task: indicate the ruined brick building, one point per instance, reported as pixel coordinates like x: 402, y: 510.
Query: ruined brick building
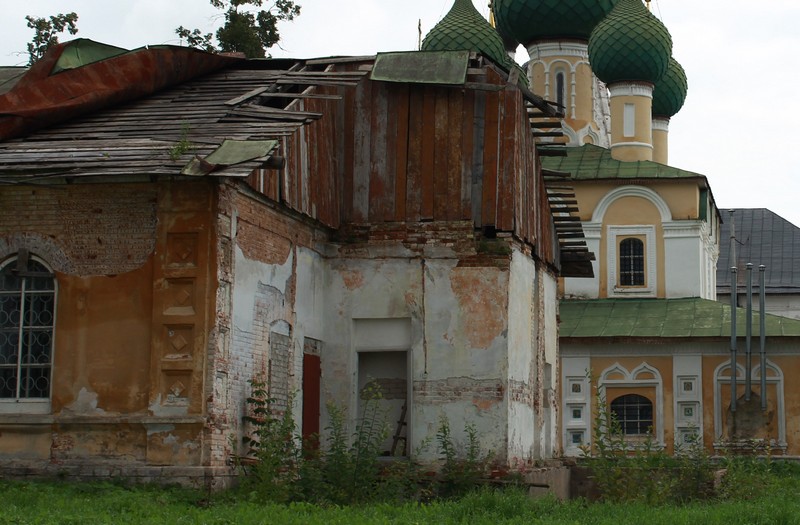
x: 174, y: 224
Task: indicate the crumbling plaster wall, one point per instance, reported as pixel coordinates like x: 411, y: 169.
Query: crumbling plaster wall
x: 533, y: 358
x: 283, y: 276
x: 523, y: 316
x: 551, y: 367
x: 269, y: 300
x: 102, y: 241
x: 458, y: 310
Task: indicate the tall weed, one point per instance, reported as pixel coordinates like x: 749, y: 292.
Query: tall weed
x: 625, y: 470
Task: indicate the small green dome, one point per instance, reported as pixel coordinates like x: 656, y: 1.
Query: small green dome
x: 464, y: 28
x: 527, y: 21
x: 669, y: 93
x: 630, y: 44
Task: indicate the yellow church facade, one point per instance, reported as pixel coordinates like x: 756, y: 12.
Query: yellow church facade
x: 645, y: 335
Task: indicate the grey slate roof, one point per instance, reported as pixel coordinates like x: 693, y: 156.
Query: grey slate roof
x: 762, y: 237
x: 9, y: 75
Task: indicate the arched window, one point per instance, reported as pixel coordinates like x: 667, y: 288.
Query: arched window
x: 27, y: 316
x: 634, y: 414
x: 631, y: 262
x: 561, y: 91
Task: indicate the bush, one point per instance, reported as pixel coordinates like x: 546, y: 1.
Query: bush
x: 627, y: 471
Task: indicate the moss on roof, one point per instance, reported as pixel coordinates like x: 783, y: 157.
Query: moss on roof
x: 589, y: 162
x: 662, y: 318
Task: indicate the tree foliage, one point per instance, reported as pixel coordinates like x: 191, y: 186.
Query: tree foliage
x: 46, y: 33
x: 247, y: 28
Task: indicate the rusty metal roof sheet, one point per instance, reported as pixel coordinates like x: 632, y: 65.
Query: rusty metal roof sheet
x: 44, y: 96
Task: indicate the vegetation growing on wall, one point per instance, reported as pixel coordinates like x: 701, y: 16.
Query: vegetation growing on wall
x: 348, y: 469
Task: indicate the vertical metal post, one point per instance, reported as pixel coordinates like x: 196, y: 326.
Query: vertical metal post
x: 748, y: 333
x: 762, y: 333
x: 734, y: 293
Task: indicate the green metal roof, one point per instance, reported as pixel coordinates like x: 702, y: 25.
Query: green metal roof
x: 82, y: 51
x: 630, y: 44
x: 426, y: 67
x: 669, y: 93
x: 690, y: 317
x: 527, y: 21
x: 590, y: 162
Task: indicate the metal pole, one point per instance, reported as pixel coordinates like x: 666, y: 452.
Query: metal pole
x: 734, y: 292
x: 748, y: 333
x: 762, y: 333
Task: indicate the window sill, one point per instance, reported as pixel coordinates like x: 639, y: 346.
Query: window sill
x: 638, y: 292
x: 25, y: 407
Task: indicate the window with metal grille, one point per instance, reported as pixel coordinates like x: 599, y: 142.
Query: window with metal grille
x: 634, y: 414
x: 27, y: 315
x: 631, y: 262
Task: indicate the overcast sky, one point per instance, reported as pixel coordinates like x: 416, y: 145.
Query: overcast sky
x: 737, y: 126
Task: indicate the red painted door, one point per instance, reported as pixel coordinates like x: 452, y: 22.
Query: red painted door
x: 311, y: 376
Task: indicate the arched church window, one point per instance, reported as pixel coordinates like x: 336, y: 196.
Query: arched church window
x: 631, y: 262
x: 634, y: 413
x: 27, y: 320
x: 561, y: 91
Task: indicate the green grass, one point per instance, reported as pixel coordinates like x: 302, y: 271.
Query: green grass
x: 96, y: 503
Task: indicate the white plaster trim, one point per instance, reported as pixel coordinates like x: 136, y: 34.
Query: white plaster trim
x: 592, y: 230
x: 542, y: 50
x: 720, y: 380
x: 631, y: 191
x: 589, y: 131
x: 630, y: 380
x: 632, y: 145
x: 564, y: 65
x: 552, y: 70
x: 683, y: 229
x: 628, y: 120
x: 649, y: 233
x: 661, y: 124
x: 36, y: 405
x: 574, y: 370
x: 687, y: 368
x: 27, y: 406
x: 570, y: 134
x: 602, y: 111
x: 630, y: 90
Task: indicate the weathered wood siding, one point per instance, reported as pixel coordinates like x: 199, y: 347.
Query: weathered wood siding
x: 395, y: 152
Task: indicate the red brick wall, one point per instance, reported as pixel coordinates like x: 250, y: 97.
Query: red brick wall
x: 86, y: 229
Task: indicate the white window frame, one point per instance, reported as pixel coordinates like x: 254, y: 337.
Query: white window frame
x: 637, y: 379
x: 615, y: 235
x: 629, y: 121
x: 33, y: 405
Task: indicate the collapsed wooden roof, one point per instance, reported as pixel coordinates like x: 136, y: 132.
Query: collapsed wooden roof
x: 120, y: 121
x: 234, y: 117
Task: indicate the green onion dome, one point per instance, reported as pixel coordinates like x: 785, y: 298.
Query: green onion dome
x: 528, y: 21
x: 464, y: 29
x: 630, y: 44
x: 669, y: 93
